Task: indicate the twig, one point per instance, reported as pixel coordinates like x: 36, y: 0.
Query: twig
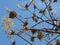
x: 52, y: 39
x: 19, y: 19
x: 24, y: 39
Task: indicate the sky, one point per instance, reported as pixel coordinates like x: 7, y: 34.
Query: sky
x: 4, y: 40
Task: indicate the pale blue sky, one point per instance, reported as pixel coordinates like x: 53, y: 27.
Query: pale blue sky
x: 12, y: 5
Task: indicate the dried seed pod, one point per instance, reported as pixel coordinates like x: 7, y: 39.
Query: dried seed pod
x: 53, y: 22
x: 8, y: 23
x: 56, y: 29
x: 26, y: 6
x: 55, y: 1
x: 34, y: 15
x: 12, y: 14
x: 25, y: 23
x: 32, y: 39
x: 57, y: 42
x: 34, y: 18
x: 42, y: 11
x: 59, y: 24
x: 11, y: 32
x: 25, y: 29
x: 33, y: 30
x: 40, y: 35
x: 52, y: 34
x: 13, y: 43
x: 50, y: 44
x: 32, y: 1
x: 42, y: 0
x: 34, y: 6
x: 49, y: 7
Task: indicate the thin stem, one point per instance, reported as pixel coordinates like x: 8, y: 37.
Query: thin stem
x: 48, y: 9
x: 19, y: 19
x: 24, y: 39
x: 48, y: 30
x: 37, y: 24
x: 47, y: 21
x: 52, y: 39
